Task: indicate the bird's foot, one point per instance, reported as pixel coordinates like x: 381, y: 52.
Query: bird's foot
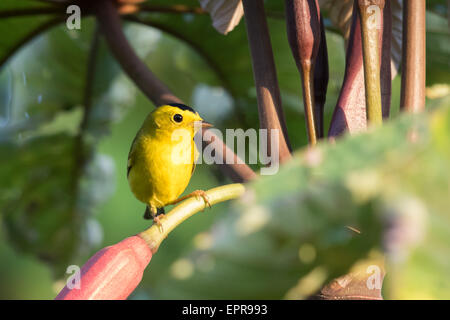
x: 157, y: 220
x: 201, y: 194
x: 198, y: 194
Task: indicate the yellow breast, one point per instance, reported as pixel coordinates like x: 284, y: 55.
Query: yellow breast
x: 162, y: 169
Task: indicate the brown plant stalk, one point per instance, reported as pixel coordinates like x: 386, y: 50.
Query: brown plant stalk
x: 386, y: 74
x: 321, y: 77
x: 414, y: 62
x: 303, y: 29
x: 271, y: 115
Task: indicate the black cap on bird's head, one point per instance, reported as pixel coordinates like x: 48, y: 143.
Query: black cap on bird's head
x: 187, y: 108
x: 182, y: 107
x: 176, y: 114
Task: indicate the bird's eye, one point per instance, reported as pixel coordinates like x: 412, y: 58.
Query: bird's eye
x: 178, y: 118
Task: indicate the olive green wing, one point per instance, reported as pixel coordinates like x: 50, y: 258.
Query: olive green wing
x: 131, y: 156
x: 193, y: 168
x: 195, y: 155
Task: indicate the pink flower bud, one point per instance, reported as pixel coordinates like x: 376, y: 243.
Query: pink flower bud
x: 112, y: 273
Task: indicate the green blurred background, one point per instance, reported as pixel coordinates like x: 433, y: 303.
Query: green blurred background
x: 64, y: 193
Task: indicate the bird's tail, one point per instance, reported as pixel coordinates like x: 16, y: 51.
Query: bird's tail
x: 148, y: 214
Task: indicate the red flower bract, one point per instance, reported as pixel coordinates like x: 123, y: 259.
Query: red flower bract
x: 112, y: 273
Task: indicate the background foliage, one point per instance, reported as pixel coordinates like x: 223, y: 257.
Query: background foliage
x: 63, y: 188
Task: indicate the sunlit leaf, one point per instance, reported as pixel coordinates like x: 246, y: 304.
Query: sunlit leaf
x: 302, y: 221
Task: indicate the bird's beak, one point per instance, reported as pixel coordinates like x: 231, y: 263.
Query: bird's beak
x: 206, y: 124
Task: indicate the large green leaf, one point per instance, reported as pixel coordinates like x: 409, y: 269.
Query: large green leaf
x: 46, y: 211
x: 391, y: 184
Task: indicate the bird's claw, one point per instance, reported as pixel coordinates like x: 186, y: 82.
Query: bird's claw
x: 202, y: 194
x: 157, y: 220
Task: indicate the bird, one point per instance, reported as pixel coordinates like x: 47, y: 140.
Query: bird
x: 162, y: 158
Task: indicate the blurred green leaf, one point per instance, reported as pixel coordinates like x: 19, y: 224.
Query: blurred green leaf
x: 292, y: 224
x: 57, y: 180
x: 44, y: 209
x: 438, y: 49
x: 25, y: 26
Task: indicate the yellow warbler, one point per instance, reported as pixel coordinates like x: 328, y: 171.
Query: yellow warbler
x: 162, y: 158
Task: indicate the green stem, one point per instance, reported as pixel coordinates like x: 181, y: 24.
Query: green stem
x: 371, y: 56
x: 308, y: 89
x: 154, y: 236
